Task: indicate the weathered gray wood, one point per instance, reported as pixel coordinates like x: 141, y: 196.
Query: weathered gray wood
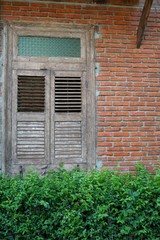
x: 49, y: 138
x: 31, y: 94
x: 34, y: 132
x: 57, y: 65
x: 91, y: 98
x: 25, y: 127
x: 65, y: 132
x: 50, y: 30
x: 8, y: 101
x: 143, y: 21
x: 14, y: 116
x: 68, y: 94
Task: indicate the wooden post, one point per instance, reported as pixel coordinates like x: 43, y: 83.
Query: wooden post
x: 143, y: 21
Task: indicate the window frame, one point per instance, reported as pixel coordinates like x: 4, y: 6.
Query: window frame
x: 53, y: 31
x: 84, y: 65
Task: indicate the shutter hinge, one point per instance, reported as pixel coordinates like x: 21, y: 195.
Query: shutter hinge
x: 86, y: 84
x: 43, y: 69
x: 21, y: 171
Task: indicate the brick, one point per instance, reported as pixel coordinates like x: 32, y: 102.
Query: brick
x: 42, y: 14
x: 121, y: 153
x: 104, y: 134
x: 10, y: 8
x: 47, y: 9
x: 4, y: 12
x: 20, y: 3
x: 137, y: 134
x: 115, y: 149
x: 11, y: 18
x: 130, y: 129
x: 104, y: 144
x: 75, y: 7
x: 126, y: 164
x: 121, y: 144
x: 56, y: 15
x: 15, y: 13
x: 111, y: 164
x: 27, y: 8
x: 28, y: 18
x: 38, y: 4
x: 5, y: 3
x: 130, y: 139
x: 121, y: 134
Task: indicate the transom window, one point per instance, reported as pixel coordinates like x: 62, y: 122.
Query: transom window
x: 49, y: 46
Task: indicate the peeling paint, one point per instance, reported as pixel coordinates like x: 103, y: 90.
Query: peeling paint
x: 97, y: 93
x: 97, y: 33
x: 99, y: 165
x: 97, y: 69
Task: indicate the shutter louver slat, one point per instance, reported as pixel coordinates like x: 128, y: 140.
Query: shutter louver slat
x: 30, y: 142
x: 68, y: 94
x: 31, y: 93
x: 68, y: 141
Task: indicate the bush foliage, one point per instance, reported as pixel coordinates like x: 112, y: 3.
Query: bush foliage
x: 74, y: 205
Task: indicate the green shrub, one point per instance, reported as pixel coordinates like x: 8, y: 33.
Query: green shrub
x: 80, y: 205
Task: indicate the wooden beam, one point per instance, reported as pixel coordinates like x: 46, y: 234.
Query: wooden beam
x: 143, y: 21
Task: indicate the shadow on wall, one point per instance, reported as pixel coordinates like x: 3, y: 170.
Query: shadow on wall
x: 119, y: 2
x: 138, y: 3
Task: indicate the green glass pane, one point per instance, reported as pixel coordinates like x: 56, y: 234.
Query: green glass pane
x: 49, y: 47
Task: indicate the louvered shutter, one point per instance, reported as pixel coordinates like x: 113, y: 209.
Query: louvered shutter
x: 49, y: 118
x: 68, y: 91
x: 69, y: 121
x: 30, y: 114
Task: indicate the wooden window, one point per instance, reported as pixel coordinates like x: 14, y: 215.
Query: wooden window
x: 49, y: 46
x: 69, y: 129
x: 30, y: 142
x: 68, y: 141
x: 68, y: 94
x: 51, y: 118
x: 30, y: 129
x: 31, y: 94
x: 34, y: 117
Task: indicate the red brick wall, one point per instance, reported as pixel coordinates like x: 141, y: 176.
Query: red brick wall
x: 128, y: 79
